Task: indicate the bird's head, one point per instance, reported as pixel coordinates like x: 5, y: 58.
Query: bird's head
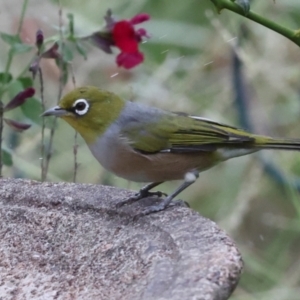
x: 89, y: 110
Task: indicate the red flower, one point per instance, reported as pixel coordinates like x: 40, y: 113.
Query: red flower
x: 129, y: 60
x: 124, y: 36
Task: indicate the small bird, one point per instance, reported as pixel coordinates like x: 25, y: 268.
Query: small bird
x: 147, y: 144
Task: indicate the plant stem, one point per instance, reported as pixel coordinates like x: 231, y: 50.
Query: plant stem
x: 293, y: 35
x: 43, y: 173
x: 24, y: 7
x: 10, y: 53
x: 6, y: 72
x: 60, y: 90
x: 75, y: 151
x: 1, y: 130
x: 75, y: 147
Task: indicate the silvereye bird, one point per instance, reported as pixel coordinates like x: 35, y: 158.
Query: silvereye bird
x: 147, y: 144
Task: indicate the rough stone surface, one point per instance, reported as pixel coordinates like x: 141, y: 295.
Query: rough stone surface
x: 68, y: 241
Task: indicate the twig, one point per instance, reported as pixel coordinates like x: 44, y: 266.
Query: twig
x: 1, y: 130
x: 43, y: 173
x: 25, y: 2
x: 75, y: 147
x: 293, y: 35
x: 75, y: 151
x: 60, y: 89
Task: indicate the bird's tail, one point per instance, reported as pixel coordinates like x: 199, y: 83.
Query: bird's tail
x: 256, y: 143
x: 262, y: 142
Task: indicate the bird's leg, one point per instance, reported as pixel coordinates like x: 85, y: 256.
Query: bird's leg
x: 189, y: 179
x: 143, y: 193
x: 145, y: 190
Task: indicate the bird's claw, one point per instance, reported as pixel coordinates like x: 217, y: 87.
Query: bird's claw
x: 140, y: 195
x: 164, y: 204
x: 132, y: 199
x: 150, y: 209
x: 159, y: 194
x: 179, y: 202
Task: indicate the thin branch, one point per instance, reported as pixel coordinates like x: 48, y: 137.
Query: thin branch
x: 6, y: 71
x: 293, y: 35
x: 43, y: 171
x: 75, y: 147
x: 60, y: 89
x: 75, y: 151
x: 24, y: 7
x: 1, y: 130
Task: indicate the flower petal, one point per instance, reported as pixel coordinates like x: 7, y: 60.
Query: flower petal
x: 129, y: 60
x: 110, y: 21
x: 34, y: 66
x: 19, y: 99
x: 52, y: 52
x: 17, y: 126
x: 39, y: 38
x: 140, y: 33
x: 102, y: 40
x: 124, y: 37
x: 140, y: 18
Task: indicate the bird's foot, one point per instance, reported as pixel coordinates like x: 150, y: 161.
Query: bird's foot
x: 164, y: 204
x: 179, y: 203
x: 140, y: 195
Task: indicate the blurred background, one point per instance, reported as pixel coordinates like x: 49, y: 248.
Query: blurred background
x: 189, y: 66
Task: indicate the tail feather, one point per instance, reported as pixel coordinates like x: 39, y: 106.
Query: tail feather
x: 258, y: 143
x: 280, y: 144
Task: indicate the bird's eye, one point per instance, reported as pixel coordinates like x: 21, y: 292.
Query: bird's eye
x: 81, y: 107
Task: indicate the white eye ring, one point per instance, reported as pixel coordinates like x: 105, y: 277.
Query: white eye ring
x: 81, y: 107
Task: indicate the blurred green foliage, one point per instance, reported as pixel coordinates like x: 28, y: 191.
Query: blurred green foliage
x: 189, y: 68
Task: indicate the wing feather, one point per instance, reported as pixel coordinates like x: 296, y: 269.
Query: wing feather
x: 178, y: 133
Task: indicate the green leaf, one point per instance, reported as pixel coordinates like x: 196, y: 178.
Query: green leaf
x: 14, y: 88
x: 80, y: 49
x: 32, y: 110
x: 21, y: 48
x: 71, y: 24
x: 6, y: 158
x: 10, y: 39
x: 67, y: 53
x: 18, y: 85
x: 15, y: 42
x: 64, y: 66
x: 65, y: 72
x: 5, y: 77
x: 26, y: 82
